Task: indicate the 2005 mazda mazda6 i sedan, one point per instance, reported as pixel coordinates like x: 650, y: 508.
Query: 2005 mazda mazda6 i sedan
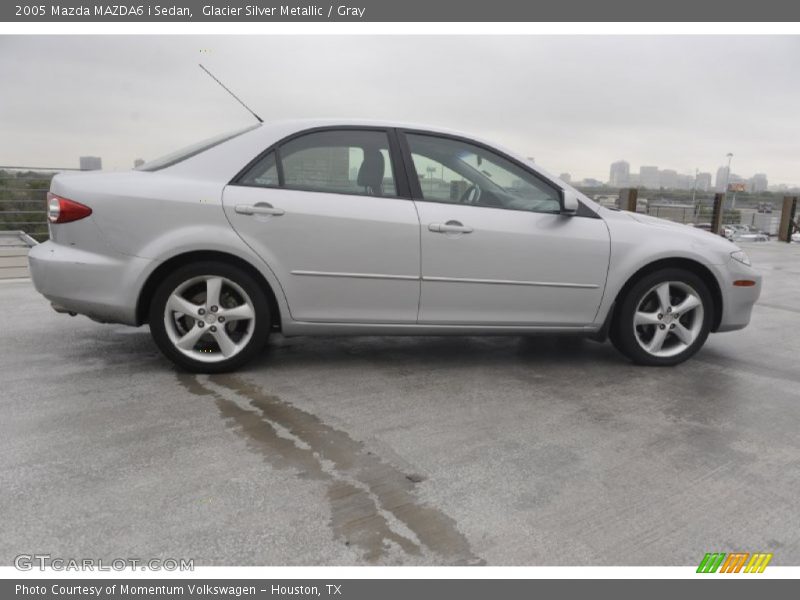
x: 333, y: 227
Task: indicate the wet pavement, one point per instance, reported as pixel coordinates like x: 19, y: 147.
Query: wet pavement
x: 379, y: 450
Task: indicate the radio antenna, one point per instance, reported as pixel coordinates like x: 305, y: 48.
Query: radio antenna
x: 239, y: 100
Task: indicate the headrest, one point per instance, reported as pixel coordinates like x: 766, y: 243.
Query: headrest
x: 370, y: 175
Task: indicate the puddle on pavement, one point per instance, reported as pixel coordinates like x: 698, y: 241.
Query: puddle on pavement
x: 373, y: 504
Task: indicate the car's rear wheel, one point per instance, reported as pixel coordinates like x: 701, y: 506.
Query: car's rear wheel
x: 209, y: 317
x: 664, y: 318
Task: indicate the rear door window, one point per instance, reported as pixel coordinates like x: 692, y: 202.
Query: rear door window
x: 347, y: 161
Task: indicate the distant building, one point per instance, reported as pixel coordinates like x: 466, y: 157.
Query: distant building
x: 138, y: 163
x: 758, y: 183
x: 619, y: 174
x: 722, y: 179
x: 649, y: 177
x: 565, y: 177
x: 668, y: 179
x: 783, y: 187
x: 91, y: 163
x: 592, y: 183
x: 685, y: 182
x: 703, y: 182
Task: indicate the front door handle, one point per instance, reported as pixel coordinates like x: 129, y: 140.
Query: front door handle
x: 449, y: 227
x: 260, y: 208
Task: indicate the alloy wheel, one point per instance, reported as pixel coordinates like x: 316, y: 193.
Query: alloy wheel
x: 668, y: 318
x: 209, y: 318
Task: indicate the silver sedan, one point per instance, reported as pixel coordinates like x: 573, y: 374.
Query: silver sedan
x: 352, y: 228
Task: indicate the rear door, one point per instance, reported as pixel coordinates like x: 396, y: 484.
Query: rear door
x: 330, y: 217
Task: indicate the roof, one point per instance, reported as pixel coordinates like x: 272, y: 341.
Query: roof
x: 301, y: 124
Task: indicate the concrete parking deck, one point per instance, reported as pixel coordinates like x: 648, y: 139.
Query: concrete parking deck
x: 14, y: 246
x: 402, y: 451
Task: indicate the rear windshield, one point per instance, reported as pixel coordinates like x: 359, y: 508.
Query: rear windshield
x: 179, y: 155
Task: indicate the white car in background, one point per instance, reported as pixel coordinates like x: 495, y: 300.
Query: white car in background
x: 744, y: 233
x: 354, y: 228
x: 751, y: 237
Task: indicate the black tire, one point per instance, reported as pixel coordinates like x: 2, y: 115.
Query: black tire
x: 258, y: 330
x: 623, y: 334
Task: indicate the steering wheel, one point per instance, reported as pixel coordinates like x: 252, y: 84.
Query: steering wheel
x: 471, y: 195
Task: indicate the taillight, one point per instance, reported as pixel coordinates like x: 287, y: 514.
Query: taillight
x: 61, y: 210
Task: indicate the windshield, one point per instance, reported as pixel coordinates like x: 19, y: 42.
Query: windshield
x: 189, y: 151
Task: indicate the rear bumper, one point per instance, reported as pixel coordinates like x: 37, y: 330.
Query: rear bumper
x: 737, y: 301
x: 102, y: 287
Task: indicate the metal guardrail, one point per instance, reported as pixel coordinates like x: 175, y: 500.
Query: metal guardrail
x: 16, y: 239
x: 697, y: 209
x: 23, y: 199
x: 14, y: 246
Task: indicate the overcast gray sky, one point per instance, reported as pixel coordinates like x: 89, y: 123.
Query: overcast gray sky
x: 575, y: 103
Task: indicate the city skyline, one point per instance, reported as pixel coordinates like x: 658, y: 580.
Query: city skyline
x: 653, y: 177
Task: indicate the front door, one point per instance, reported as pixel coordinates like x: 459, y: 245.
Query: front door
x: 495, y: 248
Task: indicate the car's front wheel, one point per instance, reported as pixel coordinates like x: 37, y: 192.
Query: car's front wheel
x: 664, y: 318
x: 209, y: 317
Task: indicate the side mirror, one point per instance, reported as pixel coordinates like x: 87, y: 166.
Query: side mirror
x: 570, y: 204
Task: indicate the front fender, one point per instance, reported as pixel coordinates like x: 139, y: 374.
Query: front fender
x: 635, y: 246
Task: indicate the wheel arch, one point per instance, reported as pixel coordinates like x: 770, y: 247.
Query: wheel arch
x: 687, y: 264
x: 175, y: 262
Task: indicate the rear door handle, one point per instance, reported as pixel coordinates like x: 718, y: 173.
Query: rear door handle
x: 449, y: 227
x: 260, y: 208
